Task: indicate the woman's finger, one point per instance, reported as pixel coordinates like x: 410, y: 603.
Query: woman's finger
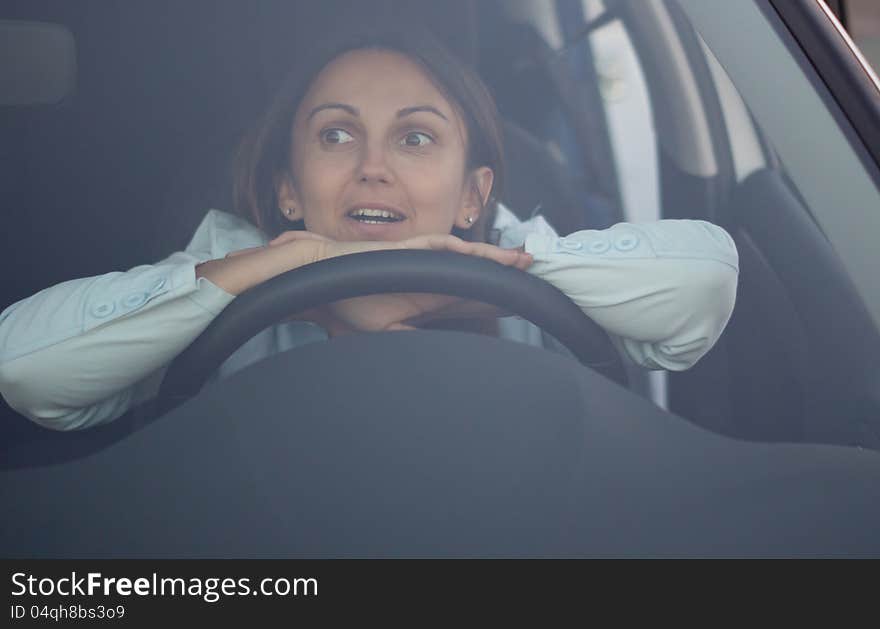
x: 508, y: 257
x: 511, y: 257
x: 485, y: 250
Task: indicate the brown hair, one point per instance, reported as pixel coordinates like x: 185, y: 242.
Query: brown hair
x: 263, y: 155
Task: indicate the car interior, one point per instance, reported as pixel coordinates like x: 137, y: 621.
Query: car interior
x: 140, y: 148
x: 121, y: 170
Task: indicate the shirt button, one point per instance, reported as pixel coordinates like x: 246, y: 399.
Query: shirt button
x: 134, y: 300
x: 600, y: 246
x: 571, y: 245
x: 158, y: 285
x: 99, y: 311
x: 626, y: 242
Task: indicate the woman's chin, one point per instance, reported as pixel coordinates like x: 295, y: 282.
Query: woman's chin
x: 360, y: 230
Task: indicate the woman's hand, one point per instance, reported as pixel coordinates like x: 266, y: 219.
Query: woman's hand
x: 392, y: 311
x: 328, y: 248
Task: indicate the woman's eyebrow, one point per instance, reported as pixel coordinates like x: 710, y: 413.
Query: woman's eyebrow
x: 406, y: 111
x: 352, y: 110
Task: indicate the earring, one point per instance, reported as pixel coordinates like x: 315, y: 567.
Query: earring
x: 469, y: 220
x: 288, y: 211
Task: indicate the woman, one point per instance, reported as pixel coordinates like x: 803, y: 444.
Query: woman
x: 381, y: 142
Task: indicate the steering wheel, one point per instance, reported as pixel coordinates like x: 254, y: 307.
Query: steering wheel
x: 397, y: 271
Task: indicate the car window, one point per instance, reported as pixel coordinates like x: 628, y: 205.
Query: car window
x: 802, y: 125
x: 543, y: 71
x: 745, y: 142
x: 699, y: 120
x: 684, y: 100
x: 628, y: 110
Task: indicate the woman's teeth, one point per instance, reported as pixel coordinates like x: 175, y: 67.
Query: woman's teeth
x: 367, y: 215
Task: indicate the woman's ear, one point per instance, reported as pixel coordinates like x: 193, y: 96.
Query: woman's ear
x: 476, y: 196
x: 288, y: 200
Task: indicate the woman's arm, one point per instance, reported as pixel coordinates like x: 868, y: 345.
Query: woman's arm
x: 664, y: 290
x: 84, y: 351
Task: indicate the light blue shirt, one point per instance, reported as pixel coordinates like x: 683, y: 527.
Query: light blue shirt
x: 82, y: 352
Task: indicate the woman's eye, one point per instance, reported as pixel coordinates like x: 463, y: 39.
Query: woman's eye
x: 416, y: 138
x: 336, y: 136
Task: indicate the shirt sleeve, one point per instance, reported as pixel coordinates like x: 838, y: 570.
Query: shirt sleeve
x: 663, y: 290
x: 84, y: 351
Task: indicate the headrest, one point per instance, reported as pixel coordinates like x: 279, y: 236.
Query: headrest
x: 37, y: 63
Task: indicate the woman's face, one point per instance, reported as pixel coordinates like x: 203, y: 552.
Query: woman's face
x: 378, y: 153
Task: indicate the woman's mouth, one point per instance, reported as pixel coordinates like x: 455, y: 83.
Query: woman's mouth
x: 375, y: 216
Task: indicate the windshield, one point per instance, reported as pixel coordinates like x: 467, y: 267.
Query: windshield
x: 688, y: 217
x: 611, y: 111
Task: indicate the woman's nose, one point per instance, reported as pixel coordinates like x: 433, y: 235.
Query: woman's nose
x: 374, y: 166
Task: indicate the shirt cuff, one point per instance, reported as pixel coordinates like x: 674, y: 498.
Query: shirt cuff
x: 539, y: 243
x: 208, y: 295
